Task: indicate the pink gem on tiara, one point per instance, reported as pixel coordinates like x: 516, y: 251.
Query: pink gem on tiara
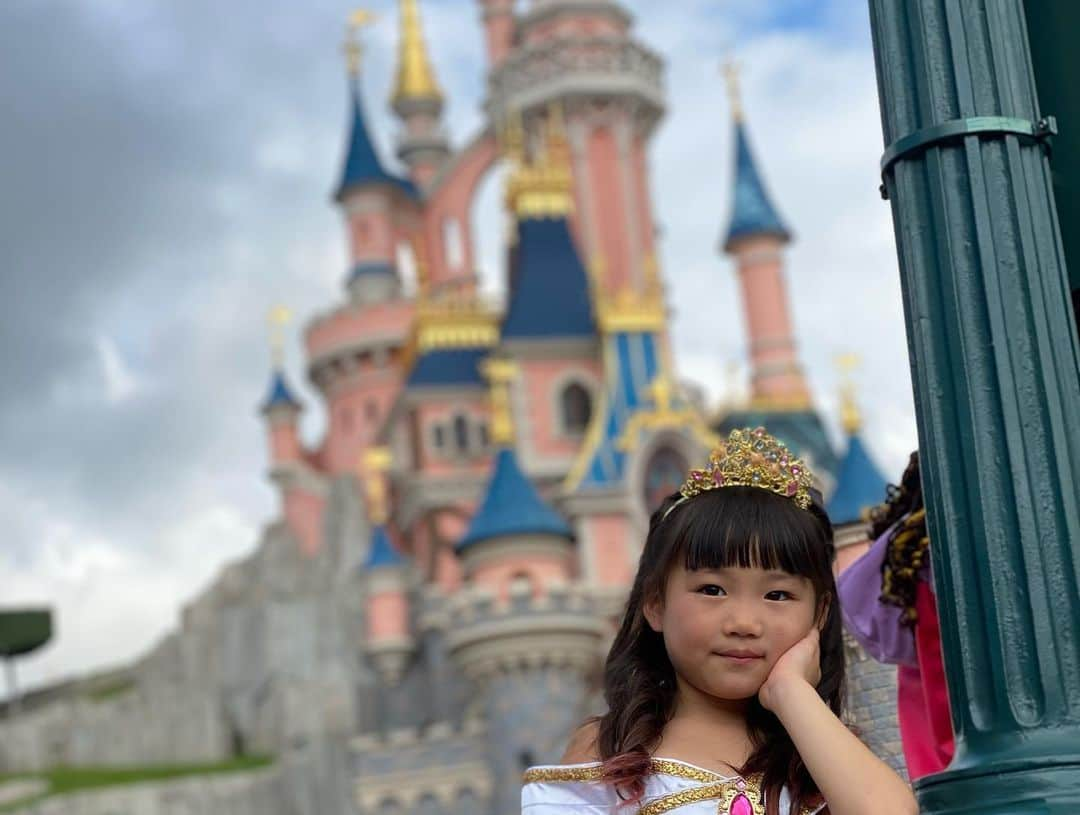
x: 718, y: 478
x: 740, y: 806
x: 792, y: 488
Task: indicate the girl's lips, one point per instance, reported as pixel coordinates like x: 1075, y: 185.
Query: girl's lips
x: 740, y: 656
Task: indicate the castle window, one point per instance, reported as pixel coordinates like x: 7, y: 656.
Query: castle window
x: 438, y: 436
x: 664, y: 475
x: 576, y: 406
x: 482, y: 435
x: 461, y: 434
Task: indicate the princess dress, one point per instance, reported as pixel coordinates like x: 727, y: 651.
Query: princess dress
x: 672, y: 786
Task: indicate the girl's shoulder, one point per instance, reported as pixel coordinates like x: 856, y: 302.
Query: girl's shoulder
x: 671, y: 786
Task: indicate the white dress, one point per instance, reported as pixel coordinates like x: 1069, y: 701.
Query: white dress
x: 672, y: 786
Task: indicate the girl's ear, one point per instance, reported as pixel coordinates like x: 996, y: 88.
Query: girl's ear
x: 654, y: 614
x: 823, y: 611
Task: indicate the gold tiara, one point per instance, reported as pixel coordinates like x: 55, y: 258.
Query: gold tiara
x: 752, y: 458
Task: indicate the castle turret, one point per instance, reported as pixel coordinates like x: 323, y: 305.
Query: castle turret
x: 519, y: 629
x: 418, y: 101
x: 355, y: 350
x: 302, y: 488
x: 755, y: 237
x: 372, y: 198
x: 389, y: 642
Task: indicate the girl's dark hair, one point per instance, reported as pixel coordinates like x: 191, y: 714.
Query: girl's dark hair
x: 729, y: 527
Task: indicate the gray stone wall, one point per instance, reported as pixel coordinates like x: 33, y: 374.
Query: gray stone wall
x: 871, y: 704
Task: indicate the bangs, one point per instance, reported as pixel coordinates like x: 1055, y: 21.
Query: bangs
x: 747, y: 527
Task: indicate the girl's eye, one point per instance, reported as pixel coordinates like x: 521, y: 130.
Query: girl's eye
x: 711, y: 589
x: 772, y: 595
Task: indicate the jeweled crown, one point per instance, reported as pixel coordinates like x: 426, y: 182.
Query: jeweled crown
x: 753, y: 458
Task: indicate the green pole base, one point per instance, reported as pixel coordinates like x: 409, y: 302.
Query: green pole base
x: 1009, y: 788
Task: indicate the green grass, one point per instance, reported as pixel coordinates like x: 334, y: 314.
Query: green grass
x: 64, y: 780
x: 110, y: 690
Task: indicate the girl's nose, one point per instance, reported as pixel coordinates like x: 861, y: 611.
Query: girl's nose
x: 742, y: 622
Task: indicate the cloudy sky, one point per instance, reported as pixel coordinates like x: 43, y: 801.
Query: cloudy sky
x: 166, y: 168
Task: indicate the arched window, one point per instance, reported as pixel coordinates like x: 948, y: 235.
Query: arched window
x: 664, y: 474
x: 461, y: 433
x: 576, y: 406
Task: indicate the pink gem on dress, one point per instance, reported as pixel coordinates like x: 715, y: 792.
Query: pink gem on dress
x: 740, y: 806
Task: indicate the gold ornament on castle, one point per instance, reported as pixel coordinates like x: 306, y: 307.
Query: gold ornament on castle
x: 752, y: 458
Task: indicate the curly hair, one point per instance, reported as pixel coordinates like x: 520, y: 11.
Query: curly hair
x: 908, y: 545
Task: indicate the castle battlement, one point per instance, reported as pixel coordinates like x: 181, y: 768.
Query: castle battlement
x: 559, y: 626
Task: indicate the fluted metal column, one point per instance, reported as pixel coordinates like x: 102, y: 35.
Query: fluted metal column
x: 995, y: 361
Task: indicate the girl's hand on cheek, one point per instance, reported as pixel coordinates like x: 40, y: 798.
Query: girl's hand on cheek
x: 799, y: 664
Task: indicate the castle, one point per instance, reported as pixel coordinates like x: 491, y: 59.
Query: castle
x: 427, y: 616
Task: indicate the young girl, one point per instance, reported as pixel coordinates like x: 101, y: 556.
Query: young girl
x: 724, y: 681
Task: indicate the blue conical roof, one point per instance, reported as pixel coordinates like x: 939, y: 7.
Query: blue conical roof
x: 362, y: 165
x: 382, y: 553
x: 279, y: 394
x: 512, y: 507
x: 859, y: 485
x: 752, y: 213
x: 549, y: 288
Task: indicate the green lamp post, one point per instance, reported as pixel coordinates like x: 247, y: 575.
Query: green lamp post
x: 996, y: 371
x: 21, y: 632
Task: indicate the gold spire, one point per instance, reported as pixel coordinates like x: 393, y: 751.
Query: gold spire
x: 415, y: 79
x: 731, y: 77
x: 543, y: 187
x: 351, y: 47
x: 850, y: 418
x: 278, y: 318
x: 374, y: 464
x: 500, y: 372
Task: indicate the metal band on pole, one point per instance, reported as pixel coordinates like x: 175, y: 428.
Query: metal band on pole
x: 955, y: 129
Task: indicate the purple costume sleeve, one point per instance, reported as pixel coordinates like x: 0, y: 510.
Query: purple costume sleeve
x: 875, y: 625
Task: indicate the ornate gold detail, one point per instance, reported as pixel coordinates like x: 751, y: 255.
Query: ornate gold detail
x: 794, y: 403
x: 849, y: 406
x: 415, y: 79
x: 352, y: 47
x: 452, y: 319
x: 279, y: 317
x: 663, y: 415
x: 724, y: 792
x: 752, y: 458
x: 628, y: 310
x: 500, y: 372
x: 375, y: 462
x: 592, y: 772
x: 543, y: 187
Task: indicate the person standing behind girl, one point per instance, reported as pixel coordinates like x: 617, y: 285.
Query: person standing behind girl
x: 724, y: 680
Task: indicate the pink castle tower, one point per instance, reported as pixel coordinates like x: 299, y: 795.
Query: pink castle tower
x: 755, y: 238
x: 302, y: 489
x: 779, y: 395
x: 355, y: 352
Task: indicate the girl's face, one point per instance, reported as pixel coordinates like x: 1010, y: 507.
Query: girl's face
x: 724, y: 629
